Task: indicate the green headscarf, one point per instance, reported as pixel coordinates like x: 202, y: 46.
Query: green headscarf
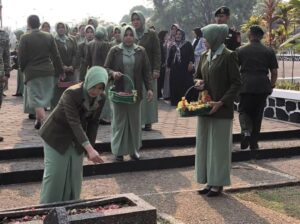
x: 140, y: 31
x: 215, y: 35
x: 123, y: 31
x: 101, y: 33
x: 94, y: 76
x: 128, y: 50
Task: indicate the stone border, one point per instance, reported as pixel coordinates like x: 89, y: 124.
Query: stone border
x: 283, y: 105
x: 140, y: 211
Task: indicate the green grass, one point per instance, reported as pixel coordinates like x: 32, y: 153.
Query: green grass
x: 284, y: 200
x: 287, y: 85
x: 162, y: 221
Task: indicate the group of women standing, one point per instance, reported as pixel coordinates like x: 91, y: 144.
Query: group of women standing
x: 180, y: 59
x: 70, y: 130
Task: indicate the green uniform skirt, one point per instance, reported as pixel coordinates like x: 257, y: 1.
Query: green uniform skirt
x: 213, y: 151
x: 20, y: 82
x: 126, y: 129
x: 40, y: 91
x: 62, y: 175
x: 27, y: 109
x: 106, y: 113
x: 150, y: 109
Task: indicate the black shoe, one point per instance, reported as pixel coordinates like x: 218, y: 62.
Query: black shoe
x: 148, y: 127
x: 31, y: 116
x: 37, y: 124
x: 135, y: 156
x: 1, y: 139
x: 104, y: 122
x: 245, y: 141
x: 254, y: 146
x: 119, y: 158
x: 204, y: 190
x: 18, y: 94
x: 213, y: 193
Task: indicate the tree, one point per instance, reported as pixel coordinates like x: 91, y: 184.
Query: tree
x: 285, y: 13
x: 270, y: 17
x: 192, y: 13
x: 147, y: 12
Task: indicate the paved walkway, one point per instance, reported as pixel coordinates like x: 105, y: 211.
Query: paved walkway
x: 18, y: 130
x: 174, y: 192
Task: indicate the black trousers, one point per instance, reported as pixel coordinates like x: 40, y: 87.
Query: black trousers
x: 251, y: 109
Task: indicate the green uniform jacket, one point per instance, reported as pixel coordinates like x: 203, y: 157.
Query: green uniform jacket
x: 81, y: 56
x: 68, y: 122
x: 97, y: 52
x: 222, y: 80
x: 150, y: 42
x: 114, y: 62
x: 35, y: 50
x: 68, y: 56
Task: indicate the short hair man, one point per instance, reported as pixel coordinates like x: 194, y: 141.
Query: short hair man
x: 256, y: 61
x: 233, y: 40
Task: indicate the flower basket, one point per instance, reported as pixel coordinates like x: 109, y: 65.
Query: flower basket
x: 192, y: 109
x: 123, y: 97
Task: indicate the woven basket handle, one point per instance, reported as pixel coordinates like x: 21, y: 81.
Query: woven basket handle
x: 129, y: 78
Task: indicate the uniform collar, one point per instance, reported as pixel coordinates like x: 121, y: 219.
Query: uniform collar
x: 218, y: 52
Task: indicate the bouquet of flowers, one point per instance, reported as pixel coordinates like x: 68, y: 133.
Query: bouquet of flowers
x: 198, y: 108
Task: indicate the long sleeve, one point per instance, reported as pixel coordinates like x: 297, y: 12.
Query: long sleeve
x: 73, y: 117
x: 93, y: 124
x: 55, y: 57
x: 200, y: 48
x: 156, y: 53
x: 109, y: 63
x: 235, y: 79
x: 171, y: 56
x: 23, y: 59
x: 146, y: 72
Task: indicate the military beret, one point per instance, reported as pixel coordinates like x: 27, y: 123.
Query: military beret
x: 222, y: 10
x: 257, y: 30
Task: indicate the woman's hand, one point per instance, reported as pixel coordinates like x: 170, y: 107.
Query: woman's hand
x: 116, y: 75
x: 149, y: 95
x: 92, y: 154
x: 199, y: 84
x: 215, y: 106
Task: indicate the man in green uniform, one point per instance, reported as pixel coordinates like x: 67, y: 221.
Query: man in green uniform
x: 4, y: 63
x: 233, y: 40
x: 256, y: 60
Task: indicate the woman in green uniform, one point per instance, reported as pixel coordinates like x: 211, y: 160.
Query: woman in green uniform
x: 218, y: 72
x: 67, y: 49
x: 131, y: 60
x: 148, y: 39
x: 68, y: 133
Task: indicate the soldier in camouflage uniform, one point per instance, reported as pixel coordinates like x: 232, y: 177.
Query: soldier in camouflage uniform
x: 233, y: 40
x: 4, y: 63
